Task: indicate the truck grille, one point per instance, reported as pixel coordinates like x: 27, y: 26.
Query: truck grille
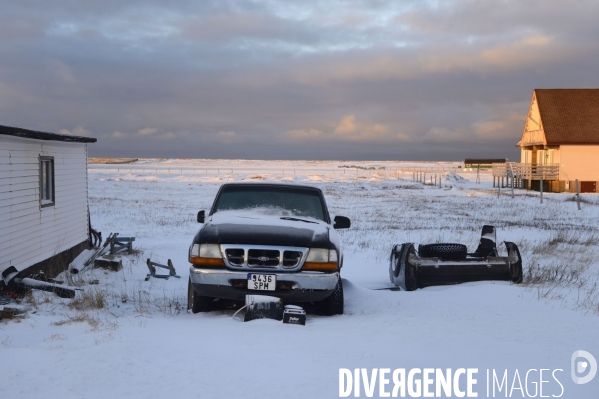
x: 235, y: 256
x: 257, y: 257
x: 292, y: 258
x: 263, y: 258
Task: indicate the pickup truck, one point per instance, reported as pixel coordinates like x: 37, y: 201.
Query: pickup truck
x: 267, y: 238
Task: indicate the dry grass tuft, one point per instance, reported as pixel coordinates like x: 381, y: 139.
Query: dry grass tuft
x: 573, y: 237
x: 80, y: 317
x: 560, y: 273
x: 93, y: 298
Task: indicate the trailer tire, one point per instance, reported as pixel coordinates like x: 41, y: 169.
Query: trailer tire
x: 399, y: 263
x: 443, y: 250
x: 517, y: 273
x: 411, y: 271
x: 394, y: 264
x: 515, y: 260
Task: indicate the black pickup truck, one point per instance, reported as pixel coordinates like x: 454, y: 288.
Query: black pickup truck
x: 273, y: 239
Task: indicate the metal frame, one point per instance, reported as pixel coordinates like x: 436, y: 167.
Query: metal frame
x: 153, y: 265
x: 121, y: 244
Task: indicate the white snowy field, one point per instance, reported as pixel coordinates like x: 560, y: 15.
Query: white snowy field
x: 140, y: 342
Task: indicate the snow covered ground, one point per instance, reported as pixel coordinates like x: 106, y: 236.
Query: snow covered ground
x: 142, y: 343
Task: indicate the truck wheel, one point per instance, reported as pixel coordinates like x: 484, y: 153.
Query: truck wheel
x: 197, y: 303
x: 334, y: 303
x: 444, y: 251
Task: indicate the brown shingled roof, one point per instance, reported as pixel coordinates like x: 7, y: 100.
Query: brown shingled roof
x: 570, y: 116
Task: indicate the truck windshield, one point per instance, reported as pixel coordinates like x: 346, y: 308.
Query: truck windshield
x: 282, y: 201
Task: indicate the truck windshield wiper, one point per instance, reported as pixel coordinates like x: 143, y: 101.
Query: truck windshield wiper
x: 297, y: 219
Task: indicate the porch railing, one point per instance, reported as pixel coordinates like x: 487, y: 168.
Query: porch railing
x: 527, y: 171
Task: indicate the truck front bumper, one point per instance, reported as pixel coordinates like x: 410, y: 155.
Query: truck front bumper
x: 291, y: 287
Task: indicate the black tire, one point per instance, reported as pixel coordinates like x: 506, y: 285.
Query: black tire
x: 394, y: 263
x: 399, y: 263
x: 411, y: 276
x: 444, y: 251
x: 516, y: 273
x: 515, y: 262
x: 197, y: 303
x: 333, y: 304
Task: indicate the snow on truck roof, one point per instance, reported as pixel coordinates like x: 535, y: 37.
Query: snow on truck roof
x: 277, y: 184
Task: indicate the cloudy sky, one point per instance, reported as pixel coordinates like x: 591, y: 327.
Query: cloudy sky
x: 407, y: 80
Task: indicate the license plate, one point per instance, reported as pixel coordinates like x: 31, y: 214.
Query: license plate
x: 262, y: 282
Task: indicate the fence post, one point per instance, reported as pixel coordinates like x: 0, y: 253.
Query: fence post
x: 577, y: 195
x: 498, y: 190
x: 512, y: 185
x: 541, y: 186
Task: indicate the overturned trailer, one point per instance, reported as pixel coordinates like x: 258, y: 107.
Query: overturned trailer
x: 450, y: 263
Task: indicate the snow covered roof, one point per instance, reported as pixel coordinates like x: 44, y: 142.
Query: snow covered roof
x: 32, y: 134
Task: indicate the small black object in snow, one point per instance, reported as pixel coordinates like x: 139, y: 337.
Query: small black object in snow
x: 450, y: 263
x: 294, y: 315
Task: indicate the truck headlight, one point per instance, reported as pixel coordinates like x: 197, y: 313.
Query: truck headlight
x: 206, y: 255
x: 321, y: 260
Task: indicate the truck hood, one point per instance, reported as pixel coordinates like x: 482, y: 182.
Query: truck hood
x: 251, y: 228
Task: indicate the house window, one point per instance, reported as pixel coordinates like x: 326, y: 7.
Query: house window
x: 47, y: 181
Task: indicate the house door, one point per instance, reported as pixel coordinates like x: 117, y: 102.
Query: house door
x: 588, y: 187
x: 549, y: 157
x: 545, y: 157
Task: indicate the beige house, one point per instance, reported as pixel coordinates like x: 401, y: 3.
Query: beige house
x: 560, y: 141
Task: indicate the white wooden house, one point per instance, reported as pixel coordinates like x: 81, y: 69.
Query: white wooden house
x: 560, y: 141
x: 44, y: 221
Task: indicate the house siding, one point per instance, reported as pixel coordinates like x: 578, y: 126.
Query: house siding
x: 579, y: 162
x: 30, y: 234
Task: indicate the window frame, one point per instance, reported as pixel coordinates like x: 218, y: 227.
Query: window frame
x: 48, y: 161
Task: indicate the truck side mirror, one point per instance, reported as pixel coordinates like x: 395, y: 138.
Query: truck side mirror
x: 341, y: 222
x: 201, y: 216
